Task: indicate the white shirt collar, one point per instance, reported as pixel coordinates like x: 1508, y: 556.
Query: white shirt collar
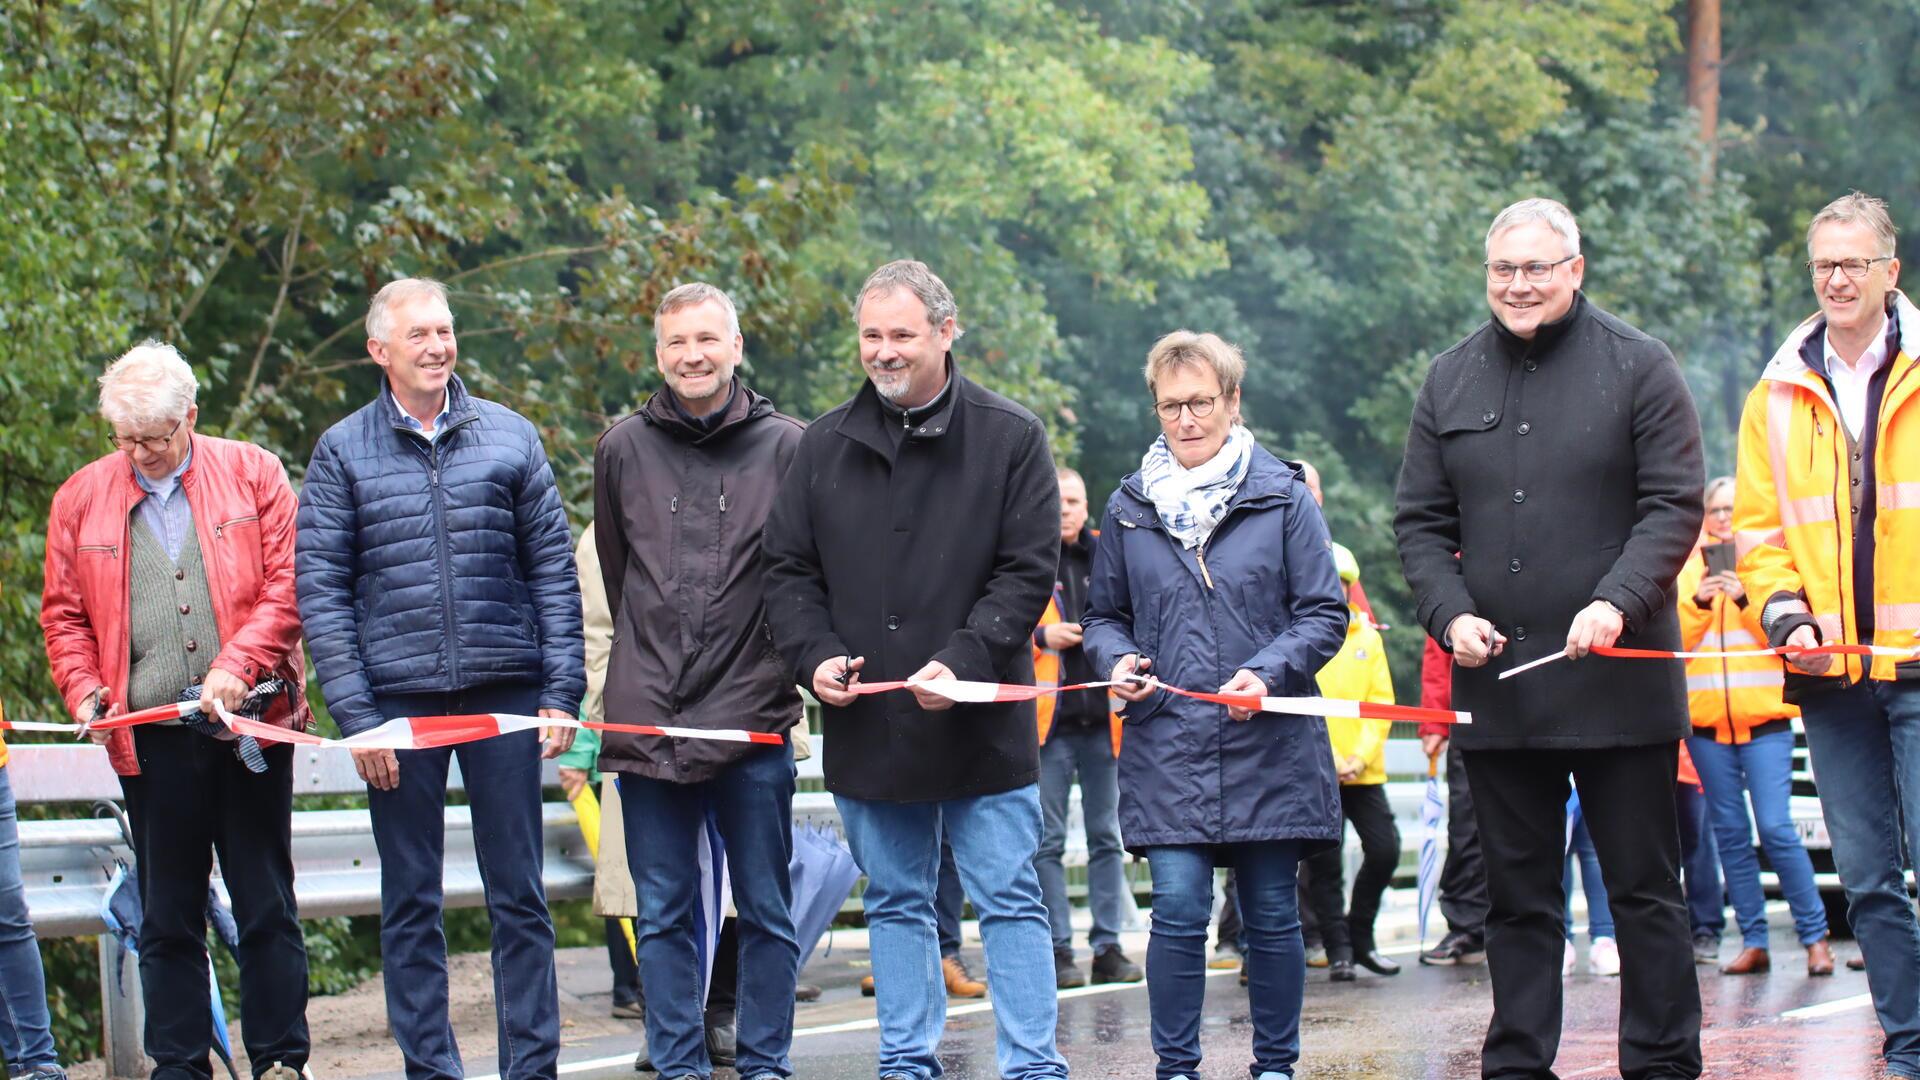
x: 407, y: 418
x: 1869, y: 361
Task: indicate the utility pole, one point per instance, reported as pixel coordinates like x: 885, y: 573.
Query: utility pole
x: 1703, y: 74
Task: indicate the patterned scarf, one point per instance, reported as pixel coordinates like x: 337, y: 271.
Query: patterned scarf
x: 1191, y: 502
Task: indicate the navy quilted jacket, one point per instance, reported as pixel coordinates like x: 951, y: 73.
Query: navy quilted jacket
x: 436, y: 567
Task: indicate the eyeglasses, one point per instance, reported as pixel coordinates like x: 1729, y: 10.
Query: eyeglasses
x: 1822, y: 269
x: 1536, y: 272
x: 1200, y: 407
x: 152, y: 444
x: 1719, y: 511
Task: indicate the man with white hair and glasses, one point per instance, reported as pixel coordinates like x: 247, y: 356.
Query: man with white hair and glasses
x: 169, y: 577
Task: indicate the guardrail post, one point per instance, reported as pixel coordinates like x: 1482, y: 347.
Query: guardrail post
x: 121, y: 1015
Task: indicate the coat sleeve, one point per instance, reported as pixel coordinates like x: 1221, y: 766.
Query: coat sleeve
x: 272, y: 631
x: 1108, y: 620
x: 1026, y: 561
x: 797, y: 610
x: 1436, y: 685
x: 1695, y: 620
x: 72, y: 651
x: 597, y: 624
x: 1316, y: 603
x: 1426, y: 522
x: 553, y: 581
x: 1766, y: 567
x: 325, y: 568
x: 1670, y: 475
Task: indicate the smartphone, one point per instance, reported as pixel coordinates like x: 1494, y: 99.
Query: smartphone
x: 1721, y: 558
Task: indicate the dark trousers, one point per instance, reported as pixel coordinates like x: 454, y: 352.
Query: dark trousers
x: 1463, y: 879
x: 502, y: 776
x: 626, y: 971
x: 193, y: 798
x: 751, y: 803
x: 1626, y: 798
x: 949, y: 901
x: 1366, y: 807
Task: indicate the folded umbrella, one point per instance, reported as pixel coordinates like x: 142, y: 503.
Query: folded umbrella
x: 1433, y: 815
x: 823, y: 873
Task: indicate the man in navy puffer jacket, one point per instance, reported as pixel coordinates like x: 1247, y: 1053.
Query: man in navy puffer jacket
x: 436, y: 577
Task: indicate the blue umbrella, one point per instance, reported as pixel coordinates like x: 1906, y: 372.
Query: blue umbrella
x: 823, y: 873
x: 1433, y: 814
x: 1573, y: 819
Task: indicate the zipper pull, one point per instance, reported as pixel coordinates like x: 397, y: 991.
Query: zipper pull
x: 723, y: 502
x: 673, y: 505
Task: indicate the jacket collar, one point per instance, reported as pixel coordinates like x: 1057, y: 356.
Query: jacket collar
x: 664, y: 412
x: 1269, y: 480
x: 867, y: 417
x: 460, y: 406
x: 1546, y: 337
x: 1801, y: 358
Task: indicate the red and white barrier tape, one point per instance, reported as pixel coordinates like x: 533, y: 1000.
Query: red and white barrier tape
x: 962, y: 690
x: 1723, y: 654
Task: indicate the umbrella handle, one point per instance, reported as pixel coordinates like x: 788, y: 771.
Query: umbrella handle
x: 1433, y: 766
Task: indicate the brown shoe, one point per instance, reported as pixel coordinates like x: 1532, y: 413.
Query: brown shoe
x: 1819, y: 959
x: 1749, y: 962
x: 960, y: 983
x: 1856, y: 963
x: 866, y: 986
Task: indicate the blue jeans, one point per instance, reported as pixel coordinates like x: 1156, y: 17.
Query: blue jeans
x: 994, y: 837
x: 1276, y: 962
x: 752, y: 805
x: 25, y: 1038
x: 1089, y: 754
x: 502, y: 777
x: 1763, y: 771
x: 1865, y: 741
x: 1700, y: 863
x: 1599, y: 915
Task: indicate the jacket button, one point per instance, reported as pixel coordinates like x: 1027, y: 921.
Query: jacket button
x: 1519, y: 496
x: 1519, y: 633
x: 1531, y: 366
x: 192, y: 645
x: 1856, y: 481
x: 1524, y: 428
x: 1513, y: 565
x: 1487, y: 417
x: 185, y: 610
x: 893, y: 622
x: 179, y: 575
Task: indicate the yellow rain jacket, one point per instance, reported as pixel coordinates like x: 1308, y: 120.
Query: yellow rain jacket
x: 1728, y: 699
x: 1794, y: 516
x: 1358, y: 672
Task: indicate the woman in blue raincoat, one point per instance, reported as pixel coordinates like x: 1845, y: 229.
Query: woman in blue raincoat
x: 1215, y: 573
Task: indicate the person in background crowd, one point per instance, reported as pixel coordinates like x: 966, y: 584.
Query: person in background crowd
x: 1463, y: 878
x: 578, y: 772
x: 681, y: 490
x: 1079, y: 736
x: 1603, y: 951
x: 1533, y: 520
x: 1358, y: 672
x: 1699, y: 862
x: 1215, y: 559
x: 1742, y: 747
x: 26, y: 1035
x: 436, y: 577
x: 916, y: 537
x: 169, y: 570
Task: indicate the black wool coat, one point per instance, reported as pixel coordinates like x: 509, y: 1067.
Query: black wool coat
x: 942, y: 549
x: 678, y: 511
x: 1562, y: 470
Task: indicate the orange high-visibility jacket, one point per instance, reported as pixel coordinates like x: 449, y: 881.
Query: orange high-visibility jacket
x: 1792, y: 511
x: 1728, y: 698
x: 1046, y: 672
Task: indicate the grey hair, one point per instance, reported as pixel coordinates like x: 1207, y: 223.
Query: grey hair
x: 379, y: 310
x: 1061, y: 472
x: 693, y: 294
x: 150, y: 384
x: 1714, y: 485
x: 1554, y: 214
x: 920, y: 280
x: 1857, y: 208
x: 1206, y: 352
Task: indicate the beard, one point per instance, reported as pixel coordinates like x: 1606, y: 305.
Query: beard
x: 892, y: 385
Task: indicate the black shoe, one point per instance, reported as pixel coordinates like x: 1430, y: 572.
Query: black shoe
x: 629, y: 1010
x: 1374, y: 962
x: 1110, y: 965
x: 1066, y: 975
x: 1456, y: 948
x: 644, y: 1063
x: 720, y: 1042
x: 1340, y: 970
x: 1243, y: 975
x: 806, y: 992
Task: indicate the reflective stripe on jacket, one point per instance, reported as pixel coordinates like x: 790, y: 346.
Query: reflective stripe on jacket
x: 1793, y: 506
x: 1728, y: 698
x: 1358, y: 672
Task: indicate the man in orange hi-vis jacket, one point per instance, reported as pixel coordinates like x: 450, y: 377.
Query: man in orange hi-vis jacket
x: 1827, y: 521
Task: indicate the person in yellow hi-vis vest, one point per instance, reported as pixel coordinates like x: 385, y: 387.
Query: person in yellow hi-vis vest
x: 1358, y: 672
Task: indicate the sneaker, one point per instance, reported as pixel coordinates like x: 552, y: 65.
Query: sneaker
x: 1341, y: 970
x: 960, y: 982
x: 1706, y: 949
x: 1066, y: 975
x: 1456, y: 948
x: 806, y: 992
x: 275, y: 1071
x: 1110, y: 965
x: 1225, y: 958
x: 1316, y: 957
x: 1567, y: 961
x: 50, y: 1071
x: 1604, y: 956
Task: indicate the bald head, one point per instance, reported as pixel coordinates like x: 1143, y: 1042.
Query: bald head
x: 1073, y: 505
x: 1312, y: 477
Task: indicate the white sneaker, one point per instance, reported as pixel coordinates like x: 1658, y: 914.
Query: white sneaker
x: 1566, y: 962
x: 1604, y: 955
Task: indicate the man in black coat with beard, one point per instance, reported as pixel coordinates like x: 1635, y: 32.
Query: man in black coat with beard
x: 1556, y: 449
x: 916, y: 537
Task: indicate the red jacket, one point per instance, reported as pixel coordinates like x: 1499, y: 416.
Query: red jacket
x: 243, y: 510
x: 1436, y: 685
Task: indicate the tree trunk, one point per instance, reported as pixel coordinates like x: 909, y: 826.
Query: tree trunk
x: 1703, y: 74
